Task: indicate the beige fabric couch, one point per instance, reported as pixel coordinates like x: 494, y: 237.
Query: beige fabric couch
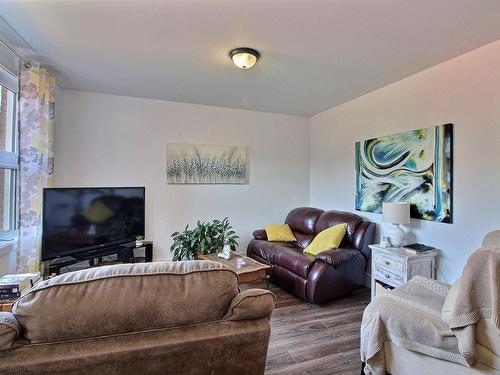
x: 153, y: 318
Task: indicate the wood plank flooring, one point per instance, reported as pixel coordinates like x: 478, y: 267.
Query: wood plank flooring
x: 315, y: 339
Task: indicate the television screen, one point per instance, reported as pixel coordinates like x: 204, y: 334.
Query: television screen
x: 83, y: 219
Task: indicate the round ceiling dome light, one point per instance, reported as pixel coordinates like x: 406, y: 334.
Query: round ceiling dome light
x: 244, y: 57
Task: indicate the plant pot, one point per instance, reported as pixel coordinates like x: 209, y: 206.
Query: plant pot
x: 139, y: 243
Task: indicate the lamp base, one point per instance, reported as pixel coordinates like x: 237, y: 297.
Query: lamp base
x: 396, y: 236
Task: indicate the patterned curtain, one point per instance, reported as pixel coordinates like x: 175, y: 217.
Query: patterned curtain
x: 36, y: 165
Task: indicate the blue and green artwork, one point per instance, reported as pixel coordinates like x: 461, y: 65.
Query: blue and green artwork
x: 414, y: 167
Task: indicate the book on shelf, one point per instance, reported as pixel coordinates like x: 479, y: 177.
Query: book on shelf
x: 12, y: 292
x: 9, y: 296
x: 417, y: 248
x: 11, y: 285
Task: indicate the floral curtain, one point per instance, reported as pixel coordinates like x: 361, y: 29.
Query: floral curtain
x: 36, y: 165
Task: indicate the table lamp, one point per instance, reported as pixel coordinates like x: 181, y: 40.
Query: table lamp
x: 396, y: 213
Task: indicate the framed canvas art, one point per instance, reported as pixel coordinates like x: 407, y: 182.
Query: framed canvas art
x: 415, y: 166
x: 206, y: 164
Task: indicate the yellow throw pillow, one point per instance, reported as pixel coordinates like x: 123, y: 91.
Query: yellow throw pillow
x: 330, y: 238
x: 279, y: 233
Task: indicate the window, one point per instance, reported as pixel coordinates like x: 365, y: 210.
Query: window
x: 9, y: 160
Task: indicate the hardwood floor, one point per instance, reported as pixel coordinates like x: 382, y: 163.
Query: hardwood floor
x: 315, y: 339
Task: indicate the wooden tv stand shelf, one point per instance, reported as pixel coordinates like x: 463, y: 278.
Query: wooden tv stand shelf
x: 125, y: 253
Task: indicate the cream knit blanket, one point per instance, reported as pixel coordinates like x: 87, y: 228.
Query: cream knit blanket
x: 476, y: 298
x: 410, y: 316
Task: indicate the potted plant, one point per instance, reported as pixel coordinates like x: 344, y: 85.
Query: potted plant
x: 205, y: 238
x: 139, y: 240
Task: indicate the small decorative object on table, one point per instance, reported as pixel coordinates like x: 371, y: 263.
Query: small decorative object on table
x: 384, y: 242
x: 226, y: 250
x: 396, y: 213
x: 139, y: 240
x: 240, y: 263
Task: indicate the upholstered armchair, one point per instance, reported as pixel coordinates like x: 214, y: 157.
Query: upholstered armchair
x: 428, y: 327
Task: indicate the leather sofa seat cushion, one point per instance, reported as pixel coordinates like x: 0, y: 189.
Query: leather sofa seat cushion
x: 303, y: 219
x: 266, y: 250
x: 290, y: 281
x: 294, y: 260
x: 126, y: 298
x: 330, y: 218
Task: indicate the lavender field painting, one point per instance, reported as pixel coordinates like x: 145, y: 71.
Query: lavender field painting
x: 206, y: 164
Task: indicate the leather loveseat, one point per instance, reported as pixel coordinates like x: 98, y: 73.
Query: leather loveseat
x: 150, y: 318
x: 332, y: 273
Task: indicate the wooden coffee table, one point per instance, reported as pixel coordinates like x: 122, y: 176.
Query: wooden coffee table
x: 249, y: 272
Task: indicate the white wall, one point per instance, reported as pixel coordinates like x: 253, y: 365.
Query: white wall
x: 464, y: 91
x: 106, y: 140
x: 112, y: 140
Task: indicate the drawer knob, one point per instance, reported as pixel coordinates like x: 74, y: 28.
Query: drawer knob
x: 387, y: 276
x: 387, y: 262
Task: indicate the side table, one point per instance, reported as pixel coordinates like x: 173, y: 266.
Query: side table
x: 395, y: 266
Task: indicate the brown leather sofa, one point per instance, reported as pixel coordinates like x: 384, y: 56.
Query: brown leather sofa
x: 331, y: 274
x: 151, y: 318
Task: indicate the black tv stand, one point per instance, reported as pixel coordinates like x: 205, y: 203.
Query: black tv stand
x: 125, y: 253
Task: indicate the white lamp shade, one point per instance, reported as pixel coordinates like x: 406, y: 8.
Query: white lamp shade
x: 396, y: 213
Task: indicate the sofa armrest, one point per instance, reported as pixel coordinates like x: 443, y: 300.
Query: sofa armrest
x: 9, y: 330
x: 251, y: 304
x: 260, y: 234
x: 336, y: 257
x: 364, y: 237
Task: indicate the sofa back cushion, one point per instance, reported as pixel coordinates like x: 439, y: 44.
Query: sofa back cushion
x: 126, y: 298
x: 303, y: 240
x: 303, y: 219
x: 330, y: 218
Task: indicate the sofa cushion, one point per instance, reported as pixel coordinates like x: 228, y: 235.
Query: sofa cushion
x: 303, y: 240
x: 126, y: 298
x: 279, y: 233
x: 9, y: 330
x: 331, y: 218
x: 294, y: 261
x: 265, y: 250
x: 329, y: 238
x: 303, y: 219
x: 251, y: 304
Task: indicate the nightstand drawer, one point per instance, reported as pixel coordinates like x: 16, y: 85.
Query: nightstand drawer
x: 388, y: 263
x: 388, y: 277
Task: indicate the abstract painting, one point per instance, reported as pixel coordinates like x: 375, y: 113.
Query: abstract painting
x: 206, y: 164
x: 414, y: 166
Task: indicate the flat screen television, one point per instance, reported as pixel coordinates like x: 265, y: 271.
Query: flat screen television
x: 81, y: 220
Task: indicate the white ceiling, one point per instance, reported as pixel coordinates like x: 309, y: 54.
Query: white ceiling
x: 315, y: 54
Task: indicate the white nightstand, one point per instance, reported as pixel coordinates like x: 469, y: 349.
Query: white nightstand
x: 394, y: 266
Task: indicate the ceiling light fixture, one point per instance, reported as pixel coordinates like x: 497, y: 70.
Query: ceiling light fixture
x: 244, y: 57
